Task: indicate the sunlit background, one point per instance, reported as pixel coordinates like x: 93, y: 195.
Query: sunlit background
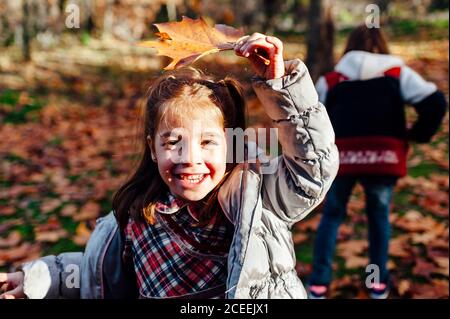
x: 70, y: 99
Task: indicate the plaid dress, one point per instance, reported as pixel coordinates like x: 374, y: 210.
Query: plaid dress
x: 176, y: 258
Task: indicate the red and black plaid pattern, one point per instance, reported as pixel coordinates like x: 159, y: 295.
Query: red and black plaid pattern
x: 174, y: 257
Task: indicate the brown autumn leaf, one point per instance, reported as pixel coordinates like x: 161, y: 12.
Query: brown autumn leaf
x: 351, y: 248
x: 51, y: 236
x: 423, y: 268
x: 437, y: 289
x: 403, y: 287
x: 50, y: 205
x: 414, y: 221
x: 7, y: 211
x: 346, y: 282
x: 310, y: 223
x: 82, y: 234
x: 69, y: 210
x: 90, y: 210
x: 51, y: 232
x: 354, y: 262
x: 13, y: 239
x: 189, y: 40
x: 443, y: 263
x: 345, y: 232
x: 299, y: 238
x: 6, y: 225
x: 21, y: 252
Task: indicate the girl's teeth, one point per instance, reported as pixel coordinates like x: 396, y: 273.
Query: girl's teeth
x: 192, y: 178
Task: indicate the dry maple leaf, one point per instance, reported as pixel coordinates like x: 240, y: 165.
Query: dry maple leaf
x: 90, y: 210
x: 13, y: 239
x: 189, y: 40
x: 83, y: 233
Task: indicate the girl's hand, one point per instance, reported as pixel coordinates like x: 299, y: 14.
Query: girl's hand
x: 12, y: 285
x: 258, y: 47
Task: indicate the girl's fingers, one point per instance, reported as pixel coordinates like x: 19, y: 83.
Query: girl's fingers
x: 13, y: 294
x: 3, y: 277
x: 278, y: 45
x: 240, y: 42
x: 257, y: 44
x: 245, y: 39
x: 251, y: 40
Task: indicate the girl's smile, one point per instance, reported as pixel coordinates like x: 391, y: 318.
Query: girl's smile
x: 191, y: 180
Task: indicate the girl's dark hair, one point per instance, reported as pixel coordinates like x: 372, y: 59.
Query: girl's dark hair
x: 138, y: 196
x: 367, y: 39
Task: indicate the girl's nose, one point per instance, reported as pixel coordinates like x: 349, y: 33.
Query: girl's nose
x: 190, y: 153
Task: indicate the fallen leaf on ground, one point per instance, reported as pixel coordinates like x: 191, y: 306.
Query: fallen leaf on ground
x: 18, y: 253
x: 90, y: 210
x: 353, y: 262
x: 352, y: 248
x: 82, y: 234
x: 403, y: 287
x: 69, y: 210
x: 51, y: 236
x: 423, y: 268
x: 310, y: 223
x: 13, y: 239
x: 7, y: 211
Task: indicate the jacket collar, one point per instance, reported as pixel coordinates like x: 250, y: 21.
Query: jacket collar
x: 170, y: 204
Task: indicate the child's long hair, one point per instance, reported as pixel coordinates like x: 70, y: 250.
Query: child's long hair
x: 138, y: 196
x: 367, y: 39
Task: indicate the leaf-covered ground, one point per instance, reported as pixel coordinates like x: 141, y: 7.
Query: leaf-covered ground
x: 68, y: 121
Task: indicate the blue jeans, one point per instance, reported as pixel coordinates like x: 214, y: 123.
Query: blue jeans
x: 378, y: 191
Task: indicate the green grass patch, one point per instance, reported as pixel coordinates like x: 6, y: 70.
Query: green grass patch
x: 305, y: 252
x: 15, y: 113
x: 425, y: 169
x: 9, y: 97
x: 26, y: 231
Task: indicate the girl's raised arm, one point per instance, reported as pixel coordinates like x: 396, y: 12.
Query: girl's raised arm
x: 302, y: 175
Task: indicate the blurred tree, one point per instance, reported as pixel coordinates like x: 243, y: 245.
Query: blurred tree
x: 26, y: 17
x: 384, y: 10
x: 271, y: 8
x: 438, y: 5
x: 320, y: 38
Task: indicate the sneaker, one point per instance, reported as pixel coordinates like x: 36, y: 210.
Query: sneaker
x: 379, y: 291
x: 317, y: 292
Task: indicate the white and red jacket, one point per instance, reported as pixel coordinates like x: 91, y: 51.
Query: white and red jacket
x: 365, y: 97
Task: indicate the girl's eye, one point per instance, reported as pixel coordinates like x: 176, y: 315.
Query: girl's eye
x: 171, y: 143
x: 209, y: 143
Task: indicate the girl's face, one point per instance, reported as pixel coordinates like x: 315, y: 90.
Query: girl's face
x: 191, y: 159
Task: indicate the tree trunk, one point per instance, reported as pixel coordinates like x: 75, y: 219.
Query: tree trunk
x: 271, y: 8
x: 327, y: 43
x: 26, y: 51
x: 313, y: 38
x: 384, y: 10
x: 320, y: 39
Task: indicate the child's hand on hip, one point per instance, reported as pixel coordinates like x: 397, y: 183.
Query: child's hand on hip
x: 12, y: 285
x: 258, y: 47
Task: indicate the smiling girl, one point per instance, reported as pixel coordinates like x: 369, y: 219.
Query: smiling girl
x: 191, y: 224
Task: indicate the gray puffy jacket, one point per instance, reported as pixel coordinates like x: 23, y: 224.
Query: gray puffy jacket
x: 262, y: 206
